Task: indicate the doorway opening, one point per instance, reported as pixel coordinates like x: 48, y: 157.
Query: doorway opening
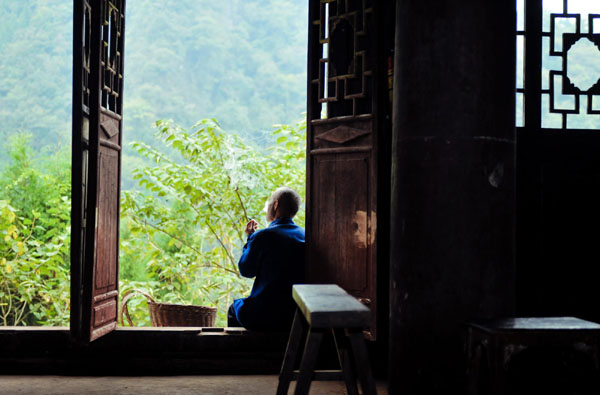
x: 186, y: 63
x: 35, y: 163
x: 200, y: 152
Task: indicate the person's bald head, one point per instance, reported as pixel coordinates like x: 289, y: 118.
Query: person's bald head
x: 283, y: 203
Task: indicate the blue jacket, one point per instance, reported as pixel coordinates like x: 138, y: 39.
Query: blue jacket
x: 275, y: 256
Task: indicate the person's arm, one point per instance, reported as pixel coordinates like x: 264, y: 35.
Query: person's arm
x: 249, y: 261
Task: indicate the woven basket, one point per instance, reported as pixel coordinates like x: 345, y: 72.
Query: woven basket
x: 167, y: 314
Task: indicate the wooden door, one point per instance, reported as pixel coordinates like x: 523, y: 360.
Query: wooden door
x: 97, y: 135
x: 558, y: 161
x: 342, y: 148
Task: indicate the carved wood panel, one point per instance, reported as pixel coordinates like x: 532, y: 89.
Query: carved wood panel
x: 342, y: 149
x: 108, y: 211
x: 342, y: 207
x: 341, y: 232
x: 97, y: 125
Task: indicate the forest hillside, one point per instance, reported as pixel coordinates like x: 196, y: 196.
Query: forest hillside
x: 242, y: 62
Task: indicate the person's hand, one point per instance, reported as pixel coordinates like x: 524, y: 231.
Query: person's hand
x: 251, y: 227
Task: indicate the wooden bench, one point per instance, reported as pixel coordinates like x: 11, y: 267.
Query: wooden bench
x: 323, y: 308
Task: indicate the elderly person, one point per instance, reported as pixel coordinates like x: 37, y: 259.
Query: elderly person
x: 275, y: 256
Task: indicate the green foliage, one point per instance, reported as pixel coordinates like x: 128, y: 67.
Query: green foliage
x: 243, y: 62
x: 136, y: 306
x: 186, y: 229
x: 180, y: 237
x: 35, y: 208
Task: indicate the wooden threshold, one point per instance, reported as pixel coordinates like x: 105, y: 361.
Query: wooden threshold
x: 139, y: 351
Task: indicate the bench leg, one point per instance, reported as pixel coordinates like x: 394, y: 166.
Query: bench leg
x: 311, y: 350
x: 289, y: 360
x: 341, y: 345
x: 361, y: 358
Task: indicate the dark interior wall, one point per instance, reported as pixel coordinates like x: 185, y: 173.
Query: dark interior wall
x: 557, y: 224
x: 453, y: 184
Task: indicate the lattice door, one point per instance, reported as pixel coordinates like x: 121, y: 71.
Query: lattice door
x: 558, y: 165
x: 97, y: 126
x: 342, y: 148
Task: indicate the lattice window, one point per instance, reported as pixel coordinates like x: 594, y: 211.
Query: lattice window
x: 567, y: 33
x: 344, y: 75
x: 111, y: 62
x: 87, y: 31
x: 570, y: 71
x: 520, y: 84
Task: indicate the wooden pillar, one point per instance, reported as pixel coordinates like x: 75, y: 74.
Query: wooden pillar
x: 453, y: 184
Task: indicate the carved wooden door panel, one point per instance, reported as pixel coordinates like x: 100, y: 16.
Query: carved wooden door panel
x: 97, y: 126
x: 342, y: 157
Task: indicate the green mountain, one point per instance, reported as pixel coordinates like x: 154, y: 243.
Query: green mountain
x: 35, y: 71
x: 240, y: 61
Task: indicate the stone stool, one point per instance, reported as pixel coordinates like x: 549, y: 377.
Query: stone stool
x: 323, y: 308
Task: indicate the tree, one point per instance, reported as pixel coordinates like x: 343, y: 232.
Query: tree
x: 35, y: 208
x: 187, y: 227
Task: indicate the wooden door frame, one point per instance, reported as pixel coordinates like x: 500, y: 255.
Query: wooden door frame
x: 17, y: 344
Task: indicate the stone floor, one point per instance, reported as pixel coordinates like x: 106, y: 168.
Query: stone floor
x: 206, y: 385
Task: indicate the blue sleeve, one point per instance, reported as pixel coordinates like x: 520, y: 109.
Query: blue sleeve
x: 249, y: 261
